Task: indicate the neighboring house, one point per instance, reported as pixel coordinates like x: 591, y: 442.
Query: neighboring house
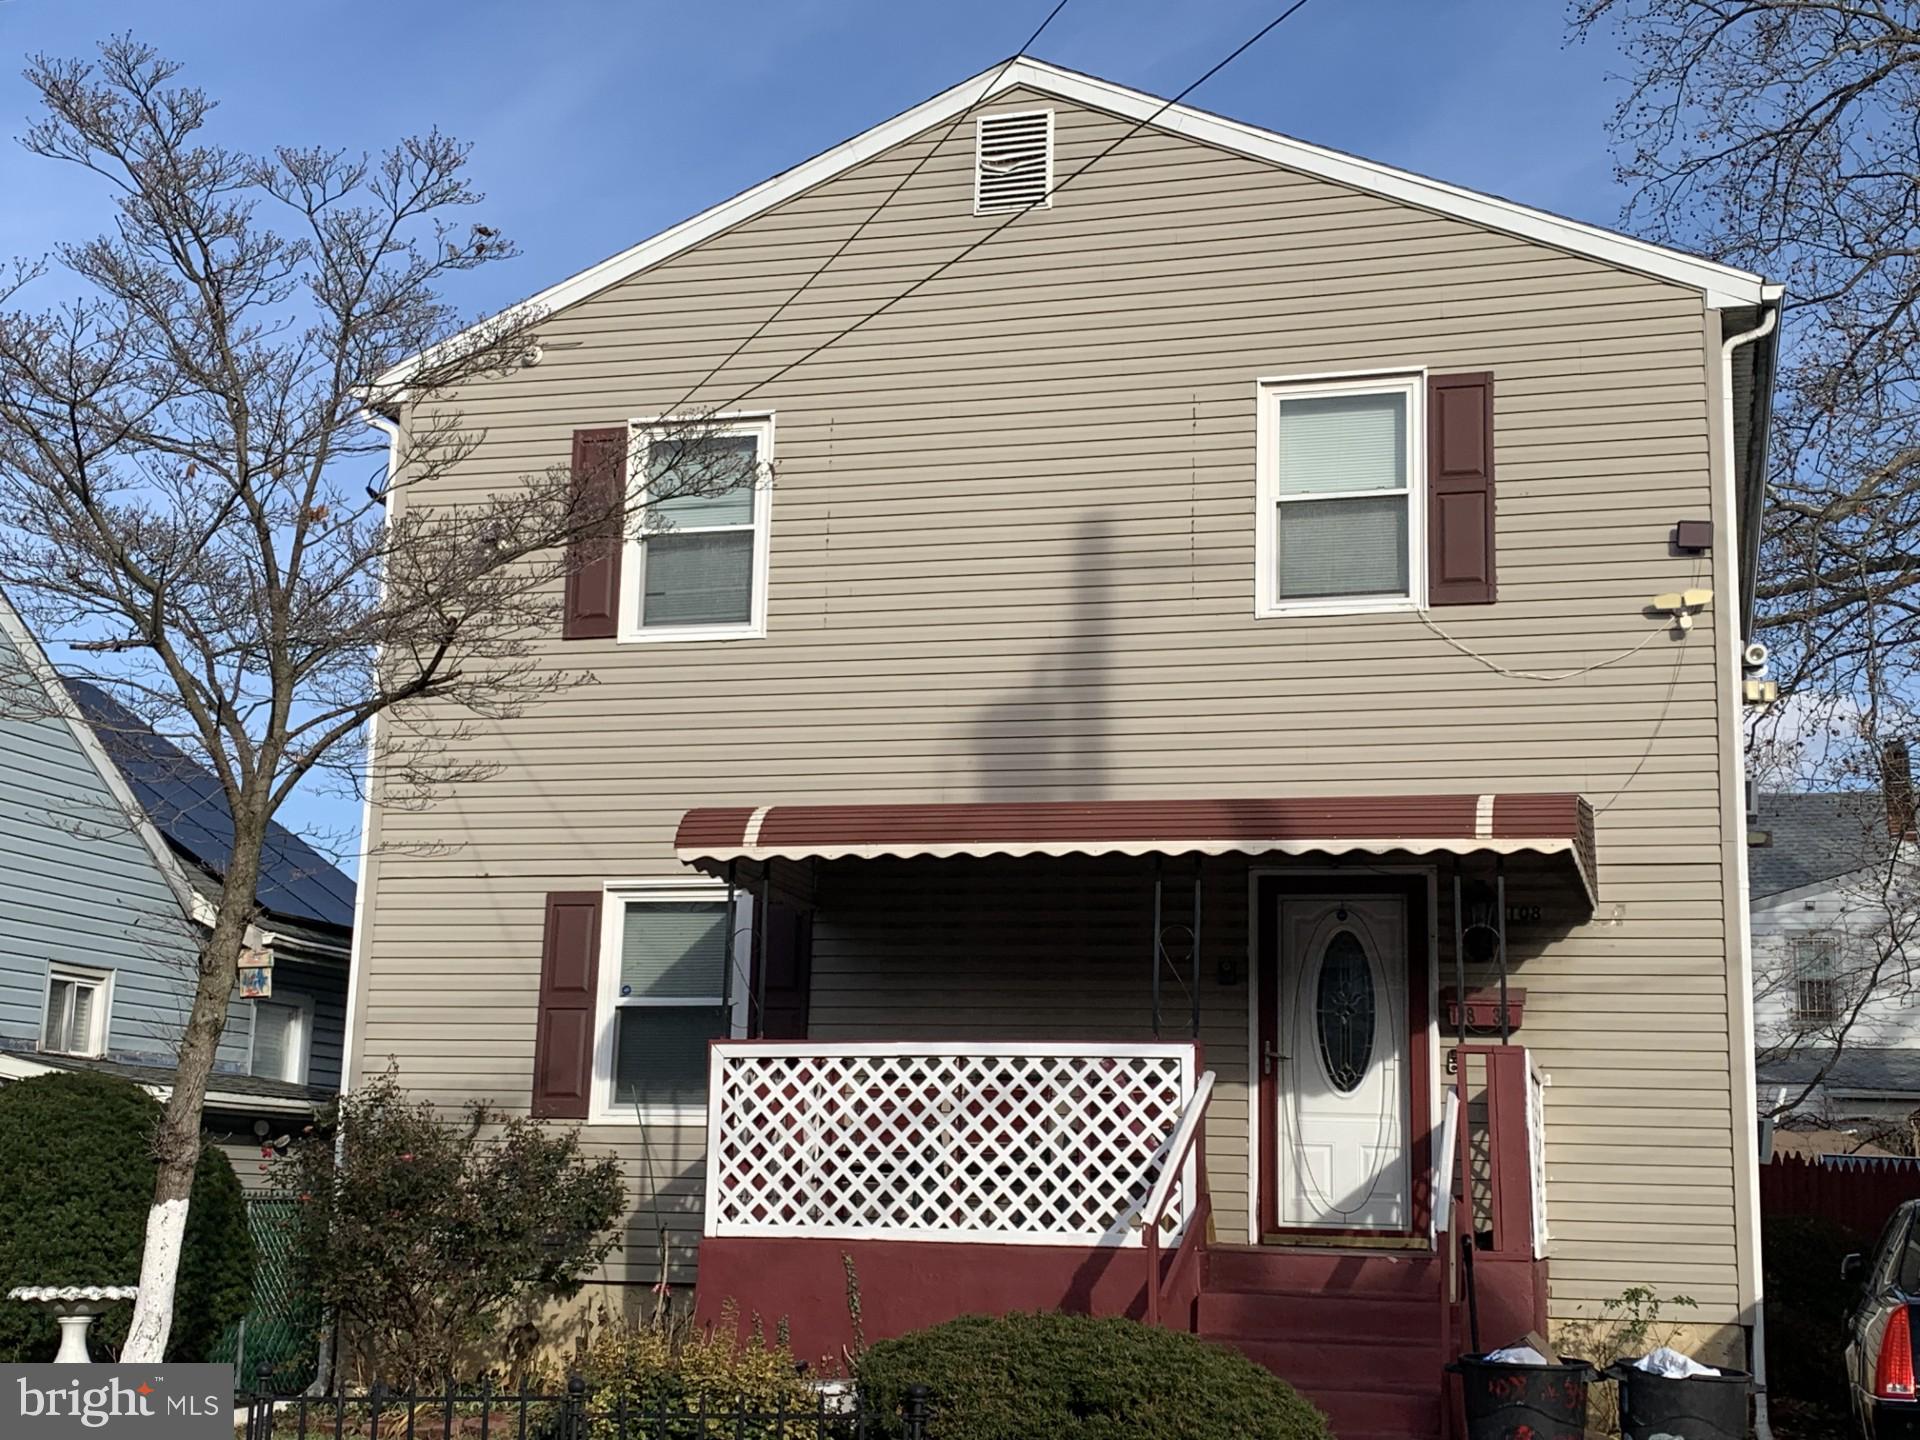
x: 1140, y: 635
x: 113, y: 842
x: 1836, y: 1014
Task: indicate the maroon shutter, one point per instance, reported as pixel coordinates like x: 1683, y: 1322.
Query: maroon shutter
x: 1460, y: 560
x: 569, y: 981
x: 593, y: 562
x: 789, y: 962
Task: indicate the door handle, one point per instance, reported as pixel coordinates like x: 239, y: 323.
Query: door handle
x: 1269, y: 1054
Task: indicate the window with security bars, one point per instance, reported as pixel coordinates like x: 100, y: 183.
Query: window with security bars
x: 1344, y: 513
x: 700, y: 551
x: 672, y: 995
x: 1815, y: 963
x: 76, y: 1018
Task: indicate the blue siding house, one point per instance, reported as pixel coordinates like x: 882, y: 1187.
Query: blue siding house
x: 111, y: 848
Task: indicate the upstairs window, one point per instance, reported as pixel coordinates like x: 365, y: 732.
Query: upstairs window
x: 696, y: 565
x: 1816, y: 979
x: 1341, y: 495
x: 667, y: 991
x: 77, y: 1006
x: 280, y: 1031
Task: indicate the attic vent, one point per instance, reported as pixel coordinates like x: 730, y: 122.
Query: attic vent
x: 1012, y: 161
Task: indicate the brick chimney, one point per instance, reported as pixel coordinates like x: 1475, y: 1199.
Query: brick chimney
x: 1896, y: 785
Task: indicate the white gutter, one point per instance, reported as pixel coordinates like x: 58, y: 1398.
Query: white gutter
x: 1746, y: 1102
x: 357, y: 953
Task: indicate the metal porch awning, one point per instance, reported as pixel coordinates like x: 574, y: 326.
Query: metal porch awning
x: 1554, y: 825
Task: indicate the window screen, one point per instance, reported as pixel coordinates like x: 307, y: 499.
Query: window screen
x: 673, y: 998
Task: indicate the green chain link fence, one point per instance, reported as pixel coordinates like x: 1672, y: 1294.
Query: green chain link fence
x: 272, y: 1346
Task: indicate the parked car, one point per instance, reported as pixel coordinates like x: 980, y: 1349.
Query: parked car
x: 1881, y: 1329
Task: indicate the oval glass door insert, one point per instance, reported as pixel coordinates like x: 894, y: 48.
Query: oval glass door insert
x: 1343, y: 1011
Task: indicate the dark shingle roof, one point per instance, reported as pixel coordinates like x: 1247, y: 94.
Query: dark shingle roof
x: 1815, y: 837
x: 221, y: 1082
x: 1858, y: 1067
x: 187, y: 806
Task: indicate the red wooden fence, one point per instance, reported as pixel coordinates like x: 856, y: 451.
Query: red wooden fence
x: 1857, y: 1192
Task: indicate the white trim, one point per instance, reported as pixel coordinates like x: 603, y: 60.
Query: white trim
x: 357, y: 939
x: 1720, y: 285
x: 1483, y: 817
x: 100, y: 981
x: 18, y: 1065
x: 602, y: 1109
x: 1749, y: 1274
x: 1015, y: 849
x: 633, y: 552
x: 300, y: 1050
x: 1064, y: 1049
x: 41, y: 668
x: 979, y: 126
x: 751, y: 835
x: 1267, y: 603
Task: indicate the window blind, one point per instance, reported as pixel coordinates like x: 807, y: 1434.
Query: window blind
x: 1332, y: 443
x: 674, y: 950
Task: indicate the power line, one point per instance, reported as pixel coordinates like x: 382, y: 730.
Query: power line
x: 948, y: 264
x: 873, y: 214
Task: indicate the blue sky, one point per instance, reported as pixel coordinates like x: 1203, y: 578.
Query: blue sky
x: 596, y: 124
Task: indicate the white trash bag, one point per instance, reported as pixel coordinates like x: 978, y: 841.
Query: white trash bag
x: 1671, y: 1364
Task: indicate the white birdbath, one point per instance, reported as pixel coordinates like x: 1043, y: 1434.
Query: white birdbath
x: 75, y: 1308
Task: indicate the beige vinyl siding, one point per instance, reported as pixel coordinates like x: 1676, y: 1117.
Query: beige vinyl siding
x: 1012, y: 558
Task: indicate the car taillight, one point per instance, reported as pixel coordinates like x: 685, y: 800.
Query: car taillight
x: 1893, y: 1376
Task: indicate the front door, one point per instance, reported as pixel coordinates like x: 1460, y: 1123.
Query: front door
x: 1341, y: 1098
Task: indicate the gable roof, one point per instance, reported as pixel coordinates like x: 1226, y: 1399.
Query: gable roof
x: 188, y: 806
x: 1722, y: 285
x: 33, y: 659
x: 1815, y: 836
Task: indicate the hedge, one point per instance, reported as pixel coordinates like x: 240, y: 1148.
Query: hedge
x: 1072, y: 1377
x: 75, y: 1149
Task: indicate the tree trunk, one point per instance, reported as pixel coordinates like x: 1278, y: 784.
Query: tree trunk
x: 176, y: 1144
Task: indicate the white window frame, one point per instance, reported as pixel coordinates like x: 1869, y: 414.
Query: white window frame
x: 301, y: 1049
x: 102, y: 983
x: 640, y: 435
x: 616, y: 897
x: 1270, y: 391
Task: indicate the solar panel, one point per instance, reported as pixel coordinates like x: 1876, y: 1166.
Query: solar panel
x: 187, y: 805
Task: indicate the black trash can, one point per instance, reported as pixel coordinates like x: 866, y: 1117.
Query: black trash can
x: 1539, y: 1402
x: 1700, y: 1407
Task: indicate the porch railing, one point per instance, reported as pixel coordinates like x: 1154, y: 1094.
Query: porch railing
x: 1003, y: 1143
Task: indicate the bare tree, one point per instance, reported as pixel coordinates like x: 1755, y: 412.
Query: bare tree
x: 186, y: 440
x: 1779, y: 135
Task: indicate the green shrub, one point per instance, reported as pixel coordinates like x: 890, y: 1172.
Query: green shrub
x: 434, y: 1229
x: 74, y: 1149
x: 1071, y: 1377
x: 1807, y: 1304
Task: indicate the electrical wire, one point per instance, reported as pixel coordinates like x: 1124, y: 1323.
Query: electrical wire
x: 872, y: 215
x: 974, y: 245
x: 1543, y: 678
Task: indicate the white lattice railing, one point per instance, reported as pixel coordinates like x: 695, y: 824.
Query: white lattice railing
x: 1031, y: 1144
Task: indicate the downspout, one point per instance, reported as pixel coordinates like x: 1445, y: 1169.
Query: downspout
x: 1746, y: 1100
x: 357, y: 955
x: 357, y: 948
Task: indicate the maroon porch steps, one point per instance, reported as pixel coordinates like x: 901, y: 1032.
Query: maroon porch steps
x: 1356, y: 1332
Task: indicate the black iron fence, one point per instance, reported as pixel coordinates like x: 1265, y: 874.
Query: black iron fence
x: 577, y: 1413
